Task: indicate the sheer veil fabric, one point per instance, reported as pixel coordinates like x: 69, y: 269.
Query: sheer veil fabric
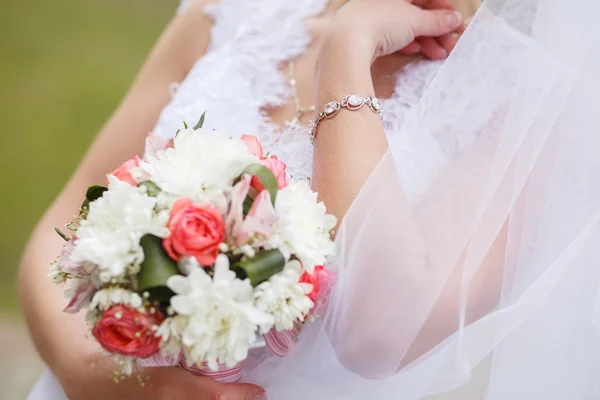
x: 496, y: 263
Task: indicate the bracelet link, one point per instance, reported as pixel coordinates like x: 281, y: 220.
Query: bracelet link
x: 351, y: 102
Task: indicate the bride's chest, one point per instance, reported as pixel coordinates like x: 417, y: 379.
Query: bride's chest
x: 241, y: 76
x: 234, y: 87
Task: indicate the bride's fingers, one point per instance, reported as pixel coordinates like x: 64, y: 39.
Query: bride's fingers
x: 461, y: 29
x: 241, y: 391
x: 413, y: 48
x: 434, y: 4
x: 173, y: 382
x: 434, y: 23
x: 448, y: 41
x: 431, y: 48
x: 439, y: 5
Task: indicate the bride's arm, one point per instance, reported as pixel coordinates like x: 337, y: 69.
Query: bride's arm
x: 59, y: 337
x: 348, y: 148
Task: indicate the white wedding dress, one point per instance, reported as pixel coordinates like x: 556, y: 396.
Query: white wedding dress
x: 494, y: 152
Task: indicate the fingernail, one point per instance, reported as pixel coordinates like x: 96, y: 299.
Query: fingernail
x: 454, y: 19
x: 261, y: 396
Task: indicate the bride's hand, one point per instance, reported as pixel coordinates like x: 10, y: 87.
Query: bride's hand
x: 435, y: 47
x: 379, y: 28
x: 91, y: 380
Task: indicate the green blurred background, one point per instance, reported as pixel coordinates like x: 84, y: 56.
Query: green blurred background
x: 64, y: 65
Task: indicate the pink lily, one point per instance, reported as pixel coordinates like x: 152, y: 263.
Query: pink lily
x: 260, y: 219
x: 83, y: 293
x: 277, y: 167
x: 154, y: 144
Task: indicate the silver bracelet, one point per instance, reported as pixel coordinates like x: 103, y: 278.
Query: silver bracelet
x: 352, y: 102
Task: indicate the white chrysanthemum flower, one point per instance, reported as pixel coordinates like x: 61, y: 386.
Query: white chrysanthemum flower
x: 221, y: 320
x: 200, y: 165
x: 303, y: 226
x: 170, y: 332
x: 106, y: 298
x: 110, y: 235
x: 284, y: 297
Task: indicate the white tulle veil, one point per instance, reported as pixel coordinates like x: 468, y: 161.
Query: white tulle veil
x: 488, y: 287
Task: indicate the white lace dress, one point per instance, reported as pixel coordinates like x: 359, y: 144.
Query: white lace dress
x: 239, y: 76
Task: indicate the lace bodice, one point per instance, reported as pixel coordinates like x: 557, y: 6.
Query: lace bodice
x: 239, y: 76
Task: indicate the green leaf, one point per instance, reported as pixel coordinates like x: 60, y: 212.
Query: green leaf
x: 200, y: 123
x: 185, y: 125
x: 152, y: 188
x: 248, y: 201
x: 93, y: 193
x: 162, y: 294
x: 260, y: 267
x: 156, y: 269
x: 62, y: 234
x: 266, y: 177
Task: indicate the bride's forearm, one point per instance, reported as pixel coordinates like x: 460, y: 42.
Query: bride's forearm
x: 60, y: 338
x: 349, y: 145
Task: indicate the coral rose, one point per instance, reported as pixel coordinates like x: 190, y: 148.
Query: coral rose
x: 129, y: 332
x: 197, y: 230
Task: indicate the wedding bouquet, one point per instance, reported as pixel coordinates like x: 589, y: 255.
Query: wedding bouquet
x: 194, y: 252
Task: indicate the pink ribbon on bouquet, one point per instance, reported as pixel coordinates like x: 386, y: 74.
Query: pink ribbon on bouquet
x: 159, y: 360
x: 282, y: 343
x: 224, y: 374
x: 278, y: 343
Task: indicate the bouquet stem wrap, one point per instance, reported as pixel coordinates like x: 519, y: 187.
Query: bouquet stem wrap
x: 278, y: 343
x: 282, y: 343
x: 224, y: 374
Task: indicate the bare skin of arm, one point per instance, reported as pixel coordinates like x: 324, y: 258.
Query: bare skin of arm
x: 59, y: 337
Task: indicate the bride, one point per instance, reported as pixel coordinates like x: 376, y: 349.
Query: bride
x: 466, y: 257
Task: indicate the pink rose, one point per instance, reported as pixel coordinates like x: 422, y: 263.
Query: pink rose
x: 123, y: 173
x: 197, y: 230
x: 276, y: 166
x: 129, y: 332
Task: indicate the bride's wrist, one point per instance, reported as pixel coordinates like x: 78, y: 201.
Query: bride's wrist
x: 343, y: 67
